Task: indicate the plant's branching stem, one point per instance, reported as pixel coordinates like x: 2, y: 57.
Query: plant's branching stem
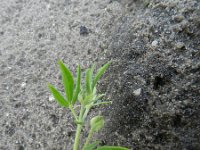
x: 88, y: 139
x: 73, y: 112
x: 85, y: 113
x: 78, y: 130
x: 77, y: 138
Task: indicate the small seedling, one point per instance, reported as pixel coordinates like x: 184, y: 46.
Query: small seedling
x: 86, y: 95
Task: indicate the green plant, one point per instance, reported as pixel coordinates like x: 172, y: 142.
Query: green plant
x: 87, y: 96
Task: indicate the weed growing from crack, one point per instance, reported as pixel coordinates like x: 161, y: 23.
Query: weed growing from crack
x: 87, y: 96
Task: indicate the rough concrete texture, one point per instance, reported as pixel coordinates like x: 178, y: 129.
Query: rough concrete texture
x: 34, y: 34
x: 153, y: 80
x: 155, y: 84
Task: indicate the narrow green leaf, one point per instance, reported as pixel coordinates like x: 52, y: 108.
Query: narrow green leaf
x: 68, y: 80
x: 88, y: 80
x: 112, y: 148
x: 92, y: 146
x: 80, y: 97
x: 99, y: 96
x: 102, y: 103
x: 100, y: 72
x: 78, y: 85
x: 58, y: 97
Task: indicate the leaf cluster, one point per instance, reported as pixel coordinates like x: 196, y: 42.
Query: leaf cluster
x: 86, y: 94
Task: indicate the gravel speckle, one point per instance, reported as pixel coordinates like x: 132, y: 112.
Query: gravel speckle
x: 83, y: 30
x: 137, y: 92
x: 179, y: 45
x: 154, y: 43
x: 51, y: 98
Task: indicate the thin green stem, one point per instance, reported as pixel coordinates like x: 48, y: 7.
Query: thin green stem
x: 77, y: 138
x: 78, y: 130
x: 73, y: 112
x: 85, y: 113
x: 88, y: 139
